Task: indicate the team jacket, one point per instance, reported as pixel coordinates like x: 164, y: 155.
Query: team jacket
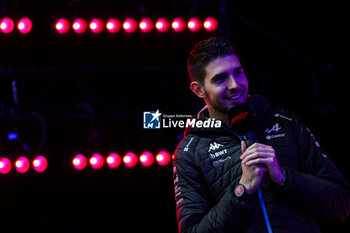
x: 207, y: 167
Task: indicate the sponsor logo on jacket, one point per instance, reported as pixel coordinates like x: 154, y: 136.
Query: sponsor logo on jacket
x: 283, y: 117
x: 214, y: 146
x: 275, y: 128
x: 217, y: 154
x: 188, y: 144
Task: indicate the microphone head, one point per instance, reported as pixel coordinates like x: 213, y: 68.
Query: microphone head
x: 242, y: 118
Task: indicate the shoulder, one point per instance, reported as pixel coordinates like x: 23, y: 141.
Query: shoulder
x: 193, y: 147
x: 285, y: 117
x: 288, y: 117
x: 186, y: 147
x: 283, y: 114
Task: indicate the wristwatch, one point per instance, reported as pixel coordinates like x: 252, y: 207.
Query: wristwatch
x: 241, y: 192
x: 284, y: 178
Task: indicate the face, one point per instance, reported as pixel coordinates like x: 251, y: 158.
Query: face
x: 225, y: 84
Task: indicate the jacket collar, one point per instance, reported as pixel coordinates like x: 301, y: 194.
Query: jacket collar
x: 258, y: 103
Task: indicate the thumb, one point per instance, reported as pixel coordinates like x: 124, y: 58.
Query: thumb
x: 243, y: 146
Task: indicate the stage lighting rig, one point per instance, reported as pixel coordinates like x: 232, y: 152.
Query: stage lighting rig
x: 114, y: 160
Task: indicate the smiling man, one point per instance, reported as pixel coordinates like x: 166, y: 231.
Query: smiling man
x: 276, y: 185
x: 223, y: 86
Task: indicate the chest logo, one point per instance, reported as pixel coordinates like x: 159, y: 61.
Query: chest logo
x: 217, y: 154
x: 275, y: 128
x: 214, y: 146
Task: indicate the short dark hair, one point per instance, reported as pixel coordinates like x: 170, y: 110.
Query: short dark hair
x: 206, y: 51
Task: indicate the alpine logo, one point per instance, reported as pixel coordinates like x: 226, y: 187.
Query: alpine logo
x: 214, y: 146
x: 275, y: 128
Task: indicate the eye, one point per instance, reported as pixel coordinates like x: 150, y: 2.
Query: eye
x: 220, y: 78
x: 238, y: 72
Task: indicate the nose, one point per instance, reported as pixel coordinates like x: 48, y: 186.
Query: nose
x: 232, y: 83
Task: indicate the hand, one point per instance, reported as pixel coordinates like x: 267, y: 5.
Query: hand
x: 251, y: 175
x: 263, y: 155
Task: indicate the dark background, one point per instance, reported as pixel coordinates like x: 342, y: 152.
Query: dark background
x: 86, y: 94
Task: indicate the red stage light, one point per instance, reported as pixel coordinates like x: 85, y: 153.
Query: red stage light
x: 79, y: 25
x: 130, y: 25
x: 5, y: 165
x: 96, y: 25
x: 113, y: 160
x: 62, y: 26
x: 130, y: 159
x: 40, y: 163
x: 22, y: 164
x: 162, y: 25
x: 163, y: 158
x: 146, y: 159
x: 113, y: 25
x: 178, y: 25
x: 7, y: 25
x: 79, y: 162
x: 24, y: 25
x: 96, y: 161
x: 210, y: 24
x: 194, y: 24
x: 146, y: 25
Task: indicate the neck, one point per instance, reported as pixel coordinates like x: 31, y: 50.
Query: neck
x: 222, y: 116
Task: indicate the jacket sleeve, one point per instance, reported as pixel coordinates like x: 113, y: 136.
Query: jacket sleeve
x: 195, y: 209
x: 318, y: 187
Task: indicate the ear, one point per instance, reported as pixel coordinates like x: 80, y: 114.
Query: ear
x: 197, y: 89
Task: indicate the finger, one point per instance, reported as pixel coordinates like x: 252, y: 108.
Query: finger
x: 244, y: 149
x: 255, y: 155
x: 260, y: 161
x: 260, y: 148
x: 243, y: 146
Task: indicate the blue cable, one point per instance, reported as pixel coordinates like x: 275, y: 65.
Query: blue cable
x: 267, y: 221
x: 261, y: 199
x: 262, y: 203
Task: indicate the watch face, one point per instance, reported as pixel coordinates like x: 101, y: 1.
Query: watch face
x: 239, y: 190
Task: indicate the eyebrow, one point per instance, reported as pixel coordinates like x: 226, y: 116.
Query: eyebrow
x: 224, y: 73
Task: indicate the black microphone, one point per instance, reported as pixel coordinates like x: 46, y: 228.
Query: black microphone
x: 242, y: 120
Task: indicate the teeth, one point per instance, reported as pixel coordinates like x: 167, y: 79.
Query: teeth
x: 235, y: 97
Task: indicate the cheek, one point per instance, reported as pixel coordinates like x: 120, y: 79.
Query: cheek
x: 213, y: 92
x: 245, y: 82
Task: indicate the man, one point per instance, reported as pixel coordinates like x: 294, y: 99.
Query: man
x: 218, y: 178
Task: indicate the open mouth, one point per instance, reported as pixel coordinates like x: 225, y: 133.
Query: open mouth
x: 235, y: 96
